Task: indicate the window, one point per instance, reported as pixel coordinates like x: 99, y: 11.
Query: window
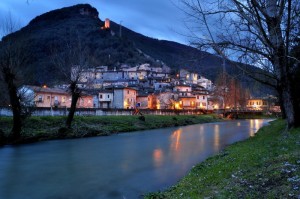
x: 203, y: 97
x: 63, y: 100
x: 101, y: 96
x: 197, y: 96
x: 108, y: 96
x: 128, y: 92
x: 40, y: 98
x: 203, y: 104
x: 48, y: 98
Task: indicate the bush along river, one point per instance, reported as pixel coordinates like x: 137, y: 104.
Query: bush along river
x: 126, y: 165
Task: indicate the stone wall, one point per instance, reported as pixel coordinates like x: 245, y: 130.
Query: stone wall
x: 5, y: 111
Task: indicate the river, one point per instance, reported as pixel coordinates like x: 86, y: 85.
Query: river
x: 121, y: 166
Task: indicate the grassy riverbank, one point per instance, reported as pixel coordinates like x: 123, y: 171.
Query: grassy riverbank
x: 264, y: 166
x: 46, y: 128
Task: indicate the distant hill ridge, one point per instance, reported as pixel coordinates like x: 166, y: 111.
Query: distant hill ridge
x: 55, y: 27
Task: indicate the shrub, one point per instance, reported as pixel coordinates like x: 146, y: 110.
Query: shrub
x: 63, y: 132
x: 2, y: 138
x: 142, y: 118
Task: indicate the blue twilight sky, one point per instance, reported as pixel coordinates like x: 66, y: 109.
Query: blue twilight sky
x: 159, y: 19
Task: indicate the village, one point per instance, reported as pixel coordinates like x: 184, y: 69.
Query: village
x: 142, y: 87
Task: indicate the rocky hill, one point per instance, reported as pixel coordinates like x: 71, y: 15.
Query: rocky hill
x: 52, y: 31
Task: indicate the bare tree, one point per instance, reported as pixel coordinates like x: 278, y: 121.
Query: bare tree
x: 13, y: 57
x: 72, y: 60
x: 256, y: 32
x: 166, y: 100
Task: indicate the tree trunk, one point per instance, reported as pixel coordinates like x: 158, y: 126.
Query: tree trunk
x: 280, y: 98
x: 75, y: 97
x: 296, y: 113
x: 288, y: 103
x: 15, y: 104
x: 288, y: 106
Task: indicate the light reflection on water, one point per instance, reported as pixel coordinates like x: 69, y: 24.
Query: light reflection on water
x: 121, y: 166
x: 216, y: 137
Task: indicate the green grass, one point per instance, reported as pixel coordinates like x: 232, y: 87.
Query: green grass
x: 264, y: 166
x: 45, y: 128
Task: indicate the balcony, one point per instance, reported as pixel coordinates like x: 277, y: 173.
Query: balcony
x: 56, y: 103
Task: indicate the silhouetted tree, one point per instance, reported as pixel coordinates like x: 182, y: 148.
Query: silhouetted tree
x: 256, y: 32
x: 13, y: 56
x: 72, y: 59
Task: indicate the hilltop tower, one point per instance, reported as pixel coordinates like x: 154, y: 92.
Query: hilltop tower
x: 106, y: 24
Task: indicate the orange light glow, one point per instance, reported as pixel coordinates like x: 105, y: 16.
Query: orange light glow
x: 107, y: 23
x: 157, y: 157
x: 176, y: 136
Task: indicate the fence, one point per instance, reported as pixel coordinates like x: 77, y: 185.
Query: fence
x: 41, y: 111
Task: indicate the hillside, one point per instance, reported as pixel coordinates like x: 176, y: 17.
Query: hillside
x: 51, y: 32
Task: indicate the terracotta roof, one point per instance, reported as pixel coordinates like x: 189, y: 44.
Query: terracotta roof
x: 48, y: 90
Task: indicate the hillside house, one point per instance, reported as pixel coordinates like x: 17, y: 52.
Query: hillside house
x: 166, y: 100
x: 124, y: 97
x: 55, y: 97
x: 105, y: 99
x: 48, y: 97
x: 205, y: 83
x: 142, y: 100
x: 201, y: 96
x: 188, y: 77
x: 187, y: 102
x: 183, y: 90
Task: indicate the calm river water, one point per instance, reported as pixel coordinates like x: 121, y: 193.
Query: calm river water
x: 120, y: 166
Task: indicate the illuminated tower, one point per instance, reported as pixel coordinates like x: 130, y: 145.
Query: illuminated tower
x: 106, y: 24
